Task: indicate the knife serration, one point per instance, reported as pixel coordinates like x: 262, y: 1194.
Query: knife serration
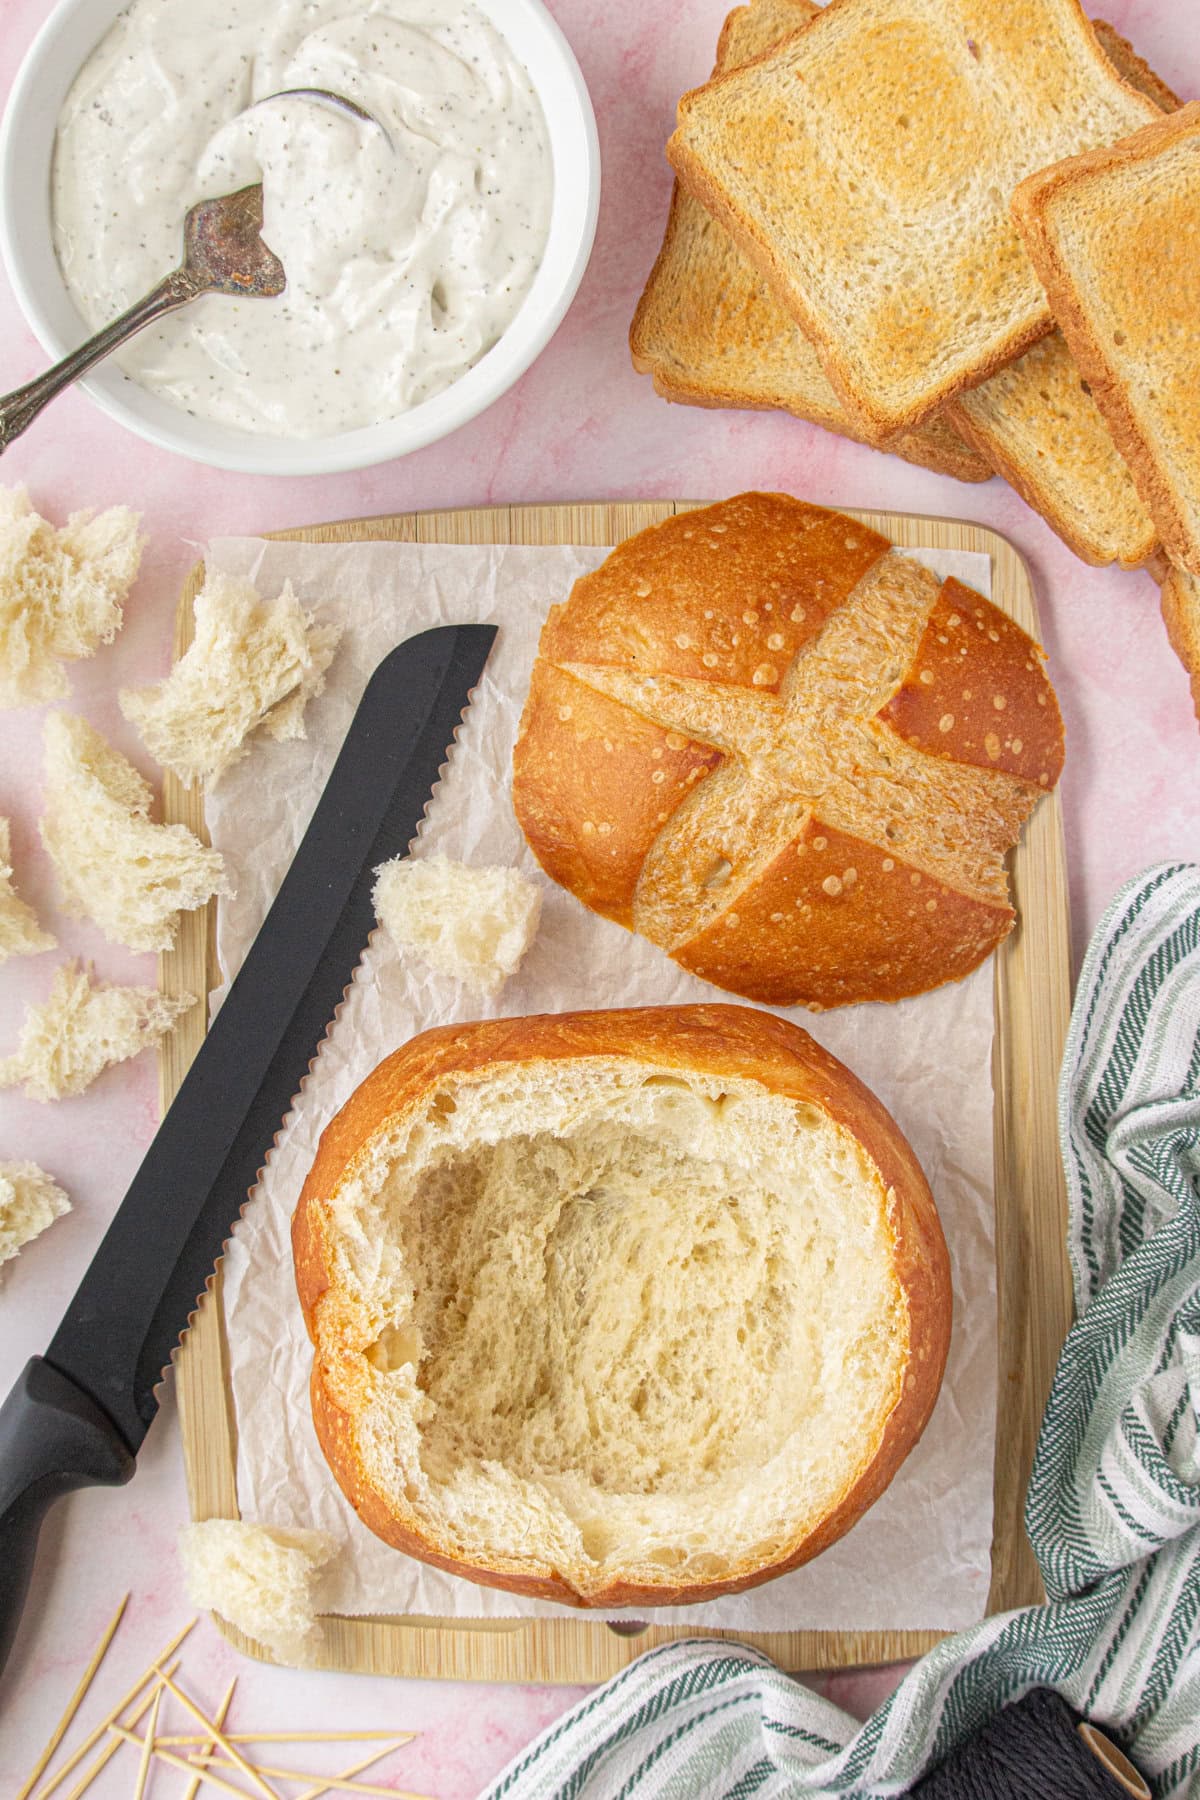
x: 145, y: 1280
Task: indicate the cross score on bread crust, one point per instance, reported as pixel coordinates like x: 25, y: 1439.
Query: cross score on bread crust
x: 786, y: 753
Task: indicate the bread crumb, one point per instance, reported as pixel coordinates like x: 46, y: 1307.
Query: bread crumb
x: 29, y: 1202
x: 473, y: 925
x: 115, y: 865
x: 61, y: 592
x: 81, y: 1028
x: 253, y: 665
x: 262, y: 1579
x: 20, y: 933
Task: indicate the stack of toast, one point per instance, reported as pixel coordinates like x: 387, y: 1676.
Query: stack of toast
x: 963, y: 231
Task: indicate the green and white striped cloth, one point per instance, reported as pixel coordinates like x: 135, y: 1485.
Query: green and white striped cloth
x: 1113, y: 1509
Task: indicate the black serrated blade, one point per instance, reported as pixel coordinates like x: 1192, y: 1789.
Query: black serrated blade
x: 125, y: 1321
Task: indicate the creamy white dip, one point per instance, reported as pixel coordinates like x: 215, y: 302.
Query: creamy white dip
x: 407, y: 254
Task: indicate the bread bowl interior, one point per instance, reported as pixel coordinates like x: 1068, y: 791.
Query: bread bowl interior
x: 602, y: 1330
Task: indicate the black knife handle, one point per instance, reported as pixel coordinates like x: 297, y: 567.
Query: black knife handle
x: 53, y: 1437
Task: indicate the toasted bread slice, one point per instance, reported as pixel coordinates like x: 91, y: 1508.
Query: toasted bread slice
x: 1038, y: 426
x: 1132, y: 69
x: 710, y: 331
x: 753, y: 30
x: 1115, y: 236
x: 1181, y: 615
x: 866, y: 167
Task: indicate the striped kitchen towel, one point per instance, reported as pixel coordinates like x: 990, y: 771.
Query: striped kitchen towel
x: 1113, y: 1509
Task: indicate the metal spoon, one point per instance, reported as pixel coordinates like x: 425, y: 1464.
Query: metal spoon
x: 329, y: 98
x: 223, y: 253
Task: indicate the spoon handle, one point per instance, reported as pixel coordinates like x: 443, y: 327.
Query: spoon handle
x: 22, y: 406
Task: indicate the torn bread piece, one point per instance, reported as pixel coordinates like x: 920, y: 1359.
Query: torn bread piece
x: 253, y: 665
x: 473, y: 925
x: 1039, y: 427
x: 261, y: 1579
x: 866, y: 166
x: 116, y: 866
x: 709, y: 330
x: 20, y: 933
x: 61, y: 592
x: 81, y: 1028
x: 29, y: 1202
x: 1115, y: 236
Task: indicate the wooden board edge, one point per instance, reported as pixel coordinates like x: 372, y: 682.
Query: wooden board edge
x: 561, y: 1652
x: 1032, y: 989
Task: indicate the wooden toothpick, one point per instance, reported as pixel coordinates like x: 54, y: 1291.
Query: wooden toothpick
x: 339, y: 1783
x: 194, y: 1784
x: 218, y: 1737
x: 144, y: 1680
x: 113, y: 1745
x: 327, y: 1785
x: 177, y: 1762
x: 181, y: 1740
x: 148, y: 1745
x: 73, y: 1704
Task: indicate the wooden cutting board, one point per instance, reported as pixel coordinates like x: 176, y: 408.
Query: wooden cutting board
x: 1032, y: 1006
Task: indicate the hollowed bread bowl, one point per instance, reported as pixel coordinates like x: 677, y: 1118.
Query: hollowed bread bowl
x: 619, y: 1308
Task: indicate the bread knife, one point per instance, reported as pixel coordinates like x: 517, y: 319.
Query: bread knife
x: 77, y: 1416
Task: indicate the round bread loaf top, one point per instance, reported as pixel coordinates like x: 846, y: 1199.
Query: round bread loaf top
x: 618, y: 1308
x: 787, y: 753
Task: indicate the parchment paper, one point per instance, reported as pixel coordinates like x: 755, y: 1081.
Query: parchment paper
x: 921, y: 1556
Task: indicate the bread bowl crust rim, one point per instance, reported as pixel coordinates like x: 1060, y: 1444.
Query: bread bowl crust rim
x: 718, y: 1039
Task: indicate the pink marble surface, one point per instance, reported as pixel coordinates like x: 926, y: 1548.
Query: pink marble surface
x: 580, y: 425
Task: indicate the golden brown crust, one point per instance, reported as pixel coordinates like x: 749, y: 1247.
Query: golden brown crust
x: 1100, y: 367
x: 878, y: 421
x: 1038, y: 427
x: 679, y: 592
x: 992, y: 440
x: 585, y: 749
x: 730, y: 1041
x: 937, y: 444
x: 1132, y: 69
x: 703, y: 301
x: 727, y: 601
x: 1181, y: 616
x: 832, y: 921
x: 755, y: 30
x: 986, y: 718
x: 879, y: 427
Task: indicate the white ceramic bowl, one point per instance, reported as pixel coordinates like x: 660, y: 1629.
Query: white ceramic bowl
x: 26, y: 238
